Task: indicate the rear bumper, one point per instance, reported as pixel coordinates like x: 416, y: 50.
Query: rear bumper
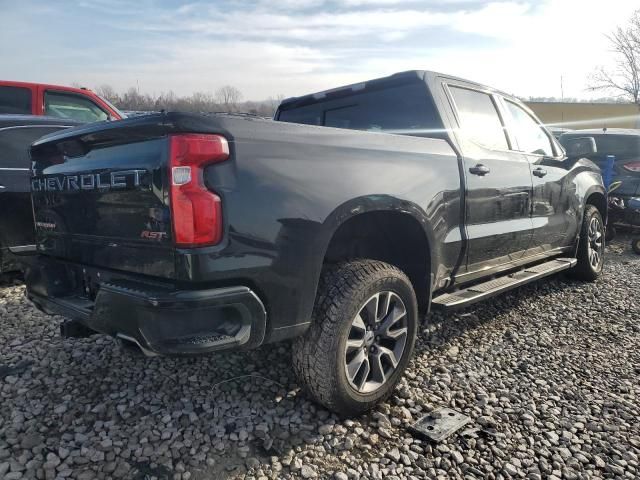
x: 629, y: 214
x: 159, y: 320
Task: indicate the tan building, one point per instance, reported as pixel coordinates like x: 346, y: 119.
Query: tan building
x: 587, y: 115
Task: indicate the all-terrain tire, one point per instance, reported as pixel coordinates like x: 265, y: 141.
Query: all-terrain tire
x: 592, y: 241
x: 319, y: 356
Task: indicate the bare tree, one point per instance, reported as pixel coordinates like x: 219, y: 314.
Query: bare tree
x: 274, y: 102
x: 624, y: 79
x: 202, y: 102
x: 228, y: 97
x: 108, y: 92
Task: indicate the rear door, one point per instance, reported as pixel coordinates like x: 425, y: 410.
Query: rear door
x: 555, y: 208
x: 498, y: 182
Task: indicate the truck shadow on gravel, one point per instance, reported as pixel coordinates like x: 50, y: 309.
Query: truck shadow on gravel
x: 442, y: 328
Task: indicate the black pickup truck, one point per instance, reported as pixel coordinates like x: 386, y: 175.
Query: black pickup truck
x: 188, y: 234
x: 17, y: 133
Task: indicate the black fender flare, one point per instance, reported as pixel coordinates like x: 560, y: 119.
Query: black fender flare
x: 599, y: 190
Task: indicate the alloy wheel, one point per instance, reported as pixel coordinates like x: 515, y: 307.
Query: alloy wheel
x: 376, y: 342
x: 595, y: 243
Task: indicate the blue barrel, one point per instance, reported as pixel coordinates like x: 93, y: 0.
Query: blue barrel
x: 607, y: 172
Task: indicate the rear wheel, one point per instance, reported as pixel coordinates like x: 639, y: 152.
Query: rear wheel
x: 591, y: 247
x: 361, y: 337
x: 635, y: 245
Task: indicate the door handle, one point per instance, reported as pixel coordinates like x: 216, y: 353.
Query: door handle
x: 539, y: 172
x: 479, y: 169
x: 2, y: 187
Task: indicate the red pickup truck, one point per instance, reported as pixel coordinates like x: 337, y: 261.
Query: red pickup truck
x: 70, y: 103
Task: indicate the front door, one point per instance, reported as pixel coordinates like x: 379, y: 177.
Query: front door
x: 498, y: 184
x: 555, y: 206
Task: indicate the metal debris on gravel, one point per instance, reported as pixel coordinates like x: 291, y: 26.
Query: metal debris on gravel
x: 440, y: 424
x: 548, y: 373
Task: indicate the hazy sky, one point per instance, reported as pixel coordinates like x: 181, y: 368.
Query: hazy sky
x: 290, y: 47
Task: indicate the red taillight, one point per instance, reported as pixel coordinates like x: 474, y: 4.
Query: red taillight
x: 195, y: 210
x: 632, y: 167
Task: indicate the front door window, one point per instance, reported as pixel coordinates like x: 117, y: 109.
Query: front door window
x: 64, y: 105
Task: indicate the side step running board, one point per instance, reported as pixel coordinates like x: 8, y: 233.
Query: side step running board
x: 467, y: 296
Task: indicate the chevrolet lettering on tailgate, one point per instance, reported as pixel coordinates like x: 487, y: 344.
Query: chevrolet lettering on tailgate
x: 89, y: 181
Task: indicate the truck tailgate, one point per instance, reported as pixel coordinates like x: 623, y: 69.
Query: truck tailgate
x: 103, y: 202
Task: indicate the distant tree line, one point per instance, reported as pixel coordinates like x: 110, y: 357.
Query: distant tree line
x: 225, y: 99
x: 617, y: 99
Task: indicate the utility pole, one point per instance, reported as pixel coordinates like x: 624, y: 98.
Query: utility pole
x: 562, y: 98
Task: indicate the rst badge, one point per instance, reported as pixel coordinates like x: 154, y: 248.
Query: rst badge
x: 46, y: 225
x: 117, y: 180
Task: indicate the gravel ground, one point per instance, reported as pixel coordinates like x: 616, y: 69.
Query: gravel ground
x: 548, y: 373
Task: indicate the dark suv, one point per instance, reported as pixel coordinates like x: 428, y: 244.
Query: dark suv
x: 624, y: 144
x: 17, y: 133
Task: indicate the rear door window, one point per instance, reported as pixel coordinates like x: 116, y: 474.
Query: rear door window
x: 75, y: 107
x: 623, y: 147
x: 479, y: 118
x: 16, y: 100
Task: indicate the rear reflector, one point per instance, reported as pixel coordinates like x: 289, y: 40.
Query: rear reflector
x: 180, y: 175
x: 196, y: 211
x: 632, y: 167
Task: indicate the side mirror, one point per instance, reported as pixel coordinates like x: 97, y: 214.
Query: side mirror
x: 580, y: 147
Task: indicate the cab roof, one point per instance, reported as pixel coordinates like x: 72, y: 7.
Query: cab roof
x: 391, y: 80
x: 11, y: 83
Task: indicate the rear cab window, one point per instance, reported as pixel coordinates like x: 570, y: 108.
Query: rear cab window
x: 15, y: 100
x: 405, y: 109
x: 72, y: 106
x: 623, y: 147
